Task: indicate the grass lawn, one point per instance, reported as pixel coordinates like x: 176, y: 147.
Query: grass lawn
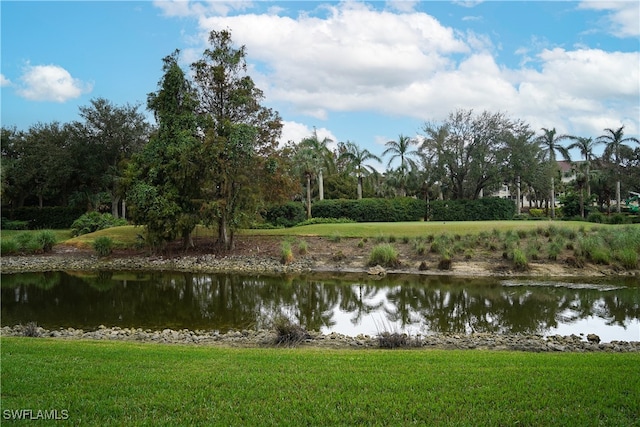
x: 117, y: 383
x: 127, y: 235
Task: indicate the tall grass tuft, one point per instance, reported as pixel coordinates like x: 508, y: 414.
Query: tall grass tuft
x: 627, y: 257
x: 288, y: 332
x: 520, y: 261
x: 286, y: 255
x: 103, y: 246
x: 385, y: 255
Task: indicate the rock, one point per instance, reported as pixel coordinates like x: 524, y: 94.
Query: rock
x: 593, y: 338
x: 378, y: 270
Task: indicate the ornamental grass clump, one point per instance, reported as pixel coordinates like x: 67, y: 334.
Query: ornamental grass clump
x: 31, y: 330
x: 288, y: 332
x: 286, y: 255
x: 103, y: 246
x: 385, y: 255
x: 628, y: 257
x: 519, y: 259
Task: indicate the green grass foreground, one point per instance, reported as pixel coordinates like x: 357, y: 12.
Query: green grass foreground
x: 116, y: 383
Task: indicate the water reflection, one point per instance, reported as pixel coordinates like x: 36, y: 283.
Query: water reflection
x: 348, y: 304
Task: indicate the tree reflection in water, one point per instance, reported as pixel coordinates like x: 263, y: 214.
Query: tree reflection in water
x: 158, y: 300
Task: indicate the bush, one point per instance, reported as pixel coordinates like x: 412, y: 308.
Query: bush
x: 487, y: 209
x: 372, y: 210
x: 288, y: 332
x: 94, y: 221
x: 537, y: 213
x: 384, y: 255
x: 103, y: 246
x: 14, y: 225
x: 596, y: 217
x: 54, y: 218
x: 618, y: 219
x: 286, y: 215
x: 46, y: 239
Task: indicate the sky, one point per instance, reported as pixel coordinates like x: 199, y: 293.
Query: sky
x: 358, y: 71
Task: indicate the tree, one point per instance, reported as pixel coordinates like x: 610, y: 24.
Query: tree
x: 358, y: 157
x: 467, y: 151
x: 105, y: 142
x: 586, y: 146
x: 519, y: 161
x: 319, y: 151
x: 165, y: 178
x: 614, y: 141
x: 401, y: 149
x: 240, y: 134
x: 550, y: 144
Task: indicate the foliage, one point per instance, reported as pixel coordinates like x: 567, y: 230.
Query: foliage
x: 519, y: 259
x: 372, y: 210
x: 8, y: 247
x: 240, y: 135
x: 485, y: 209
x: 288, y: 332
x: 103, y: 246
x: 286, y: 215
x: 596, y: 217
x: 385, y: 255
x: 93, y: 221
x: 321, y: 220
x: 14, y: 224
x: 57, y: 217
x: 286, y: 254
x: 46, y: 240
x: 164, y: 180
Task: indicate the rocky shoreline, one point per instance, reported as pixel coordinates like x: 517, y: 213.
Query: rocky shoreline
x: 267, y: 338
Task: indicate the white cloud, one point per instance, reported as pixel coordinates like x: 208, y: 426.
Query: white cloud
x: 184, y: 8
x: 4, y: 81
x: 623, y: 19
x: 402, y: 5
x: 50, y: 83
x: 357, y: 58
x: 296, y: 132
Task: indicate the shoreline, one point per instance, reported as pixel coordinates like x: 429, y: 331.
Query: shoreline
x: 76, y: 260
x: 263, y: 338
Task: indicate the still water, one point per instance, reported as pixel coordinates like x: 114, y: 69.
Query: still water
x: 348, y: 304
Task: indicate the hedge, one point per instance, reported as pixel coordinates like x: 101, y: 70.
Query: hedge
x: 286, y: 215
x: 56, y: 217
x: 371, y: 210
x: 486, y: 209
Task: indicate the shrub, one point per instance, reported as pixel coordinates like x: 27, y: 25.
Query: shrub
x: 103, y: 246
x: 94, y: 221
x: 596, y: 217
x: 490, y: 208
x: 384, y: 255
x: 372, y: 210
x: 288, y: 332
x: 537, y: 213
x: 14, y: 224
x: 312, y: 221
x: 618, y: 219
x: 286, y: 215
x: 54, y: 218
x: 23, y: 240
x: 393, y: 340
x: 444, y: 263
x: 46, y: 239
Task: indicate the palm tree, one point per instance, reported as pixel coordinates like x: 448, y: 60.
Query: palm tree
x: 402, y: 149
x: 357, y: 158
x: 549, y: 144
x: 586, y: 146
x: 614, y: 140
x: 320, y: 152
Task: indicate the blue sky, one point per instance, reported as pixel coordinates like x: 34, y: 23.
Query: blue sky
x: 359, y: 71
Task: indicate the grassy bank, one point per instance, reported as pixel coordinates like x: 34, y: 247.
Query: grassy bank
x: 106, y: 383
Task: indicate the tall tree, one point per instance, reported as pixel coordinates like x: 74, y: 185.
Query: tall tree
x: 320, y: 155
x: 614, y: 141
x: 165, y: 178
x: 108, y: 137
x: 358, y: 157
x: 550, y: 144
x: 240, y: 134
x: 586, y: 146
x: 402, y: 149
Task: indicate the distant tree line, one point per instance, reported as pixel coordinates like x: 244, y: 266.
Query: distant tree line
x: 212, y: 157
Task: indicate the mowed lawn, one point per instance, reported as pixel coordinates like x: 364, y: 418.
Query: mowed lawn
x: 119, y: 383
x: 129, y: 235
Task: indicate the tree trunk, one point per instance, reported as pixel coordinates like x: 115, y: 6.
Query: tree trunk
x: 124, y: 209
x: 223, y: 233
x: 115, y: 202
x: 553, y: 198
x: 308, y: 196
x: 518, y: 201
x: 618, y: 195
x: 320, y: 185
x: 187, y: 241
x: 359, y: 187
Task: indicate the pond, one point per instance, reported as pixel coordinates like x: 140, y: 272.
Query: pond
x: 347, y: 304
